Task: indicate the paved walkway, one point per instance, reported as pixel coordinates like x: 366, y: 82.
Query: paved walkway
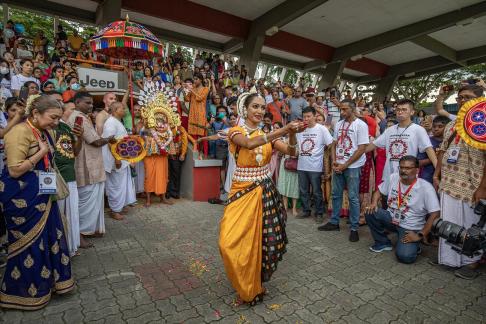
x: 162, y: 265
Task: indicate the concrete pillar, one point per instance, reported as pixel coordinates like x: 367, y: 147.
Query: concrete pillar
x: 6, y: 14
x: 331, y: 74
x: 56, y: 23
x: 264, y: 71
x: 282, y: 75
x: 385, y: 87
x: 108, y: 11
x: 250, y: 53
x: 342, y: 85
x: 353, y: 89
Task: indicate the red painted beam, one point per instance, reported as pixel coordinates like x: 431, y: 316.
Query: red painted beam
x: 368, y: 66
x: 192, y: 14
x: 300, y: 45
x: 307, y: 47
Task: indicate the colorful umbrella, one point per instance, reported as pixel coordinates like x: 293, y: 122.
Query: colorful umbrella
x: 127, y: 40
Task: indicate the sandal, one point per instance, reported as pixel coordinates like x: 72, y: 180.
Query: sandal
x: 258, y: 299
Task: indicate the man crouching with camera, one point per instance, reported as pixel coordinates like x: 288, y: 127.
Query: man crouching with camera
x: 410, y: 200
x: 462, y: 176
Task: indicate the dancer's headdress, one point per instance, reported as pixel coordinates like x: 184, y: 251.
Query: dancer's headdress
x: 155, y: 99
x: 240, y: 104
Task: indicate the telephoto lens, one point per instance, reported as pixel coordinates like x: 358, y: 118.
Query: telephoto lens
x: 451, y: 232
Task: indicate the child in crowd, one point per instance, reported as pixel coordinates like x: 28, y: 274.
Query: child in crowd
x: 426, y: 168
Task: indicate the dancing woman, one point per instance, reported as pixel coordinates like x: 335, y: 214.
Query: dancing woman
x: 252, y: 233
x: 38, y: 256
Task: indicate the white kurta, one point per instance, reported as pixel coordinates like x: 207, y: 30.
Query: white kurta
x: 70, y: 208
x: 120, y: 188
x: 91, y: 208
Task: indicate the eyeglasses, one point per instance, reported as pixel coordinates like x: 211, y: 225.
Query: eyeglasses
x: 464, y: 98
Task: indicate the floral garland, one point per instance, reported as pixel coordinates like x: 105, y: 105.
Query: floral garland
x: 162, y: 147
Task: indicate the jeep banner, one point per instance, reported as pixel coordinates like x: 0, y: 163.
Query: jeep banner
x: 99, y: 79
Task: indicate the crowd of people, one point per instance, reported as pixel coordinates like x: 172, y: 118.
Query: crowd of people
x: 384, y: 164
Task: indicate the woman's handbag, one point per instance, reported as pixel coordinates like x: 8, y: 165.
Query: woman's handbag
x: 290, y: 164
x: 62, y: 187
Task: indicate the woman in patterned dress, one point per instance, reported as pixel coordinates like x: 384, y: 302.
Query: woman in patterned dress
x: 252, y: 233
x: 38, y: 256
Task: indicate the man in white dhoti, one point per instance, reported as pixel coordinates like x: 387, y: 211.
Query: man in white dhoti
x: 119, y: 184
x: 90, y: 171
x: 67, y: 147
x: 462, y: 174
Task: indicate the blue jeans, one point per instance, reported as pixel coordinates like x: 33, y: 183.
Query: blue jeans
x: 307, y: 178
x: 349, y: 178
x: 381, y: 220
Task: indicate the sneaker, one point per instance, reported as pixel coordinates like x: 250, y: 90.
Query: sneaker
x: 378, y: 248
x: 353, y: 236
x: 328, y: 227
x: 466, y: 273
x: 304, y: 215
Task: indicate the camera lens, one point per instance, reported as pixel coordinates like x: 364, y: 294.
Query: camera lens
x: 451, y: 232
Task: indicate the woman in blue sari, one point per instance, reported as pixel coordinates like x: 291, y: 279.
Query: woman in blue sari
x: 38, y: 260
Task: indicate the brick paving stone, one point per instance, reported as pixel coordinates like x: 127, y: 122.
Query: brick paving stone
x: 162, y: 265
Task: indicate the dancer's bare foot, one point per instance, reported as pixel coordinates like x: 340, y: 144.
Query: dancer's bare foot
x: 294, y: 212
x: 116, y: 216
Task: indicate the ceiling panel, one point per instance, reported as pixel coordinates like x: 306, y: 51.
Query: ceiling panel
x: 400, y: 53
x: 353, y: 72
x: 464, y: 37
x: 337, y: 23
x: 248, y: 9
x: 285, y: 55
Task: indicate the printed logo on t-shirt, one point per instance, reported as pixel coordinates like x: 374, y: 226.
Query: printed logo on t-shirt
x: 64, y: 146
x: 398, y: 149
x: 307, y: 147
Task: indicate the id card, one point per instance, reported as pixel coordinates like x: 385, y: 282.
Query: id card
x: 47, y: 183
x: 453, y: 155
x: 340, y: 153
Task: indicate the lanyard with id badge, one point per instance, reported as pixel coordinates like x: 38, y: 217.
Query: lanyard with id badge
x: 47, y: 178
x: 453, y: 151
x: 341, y: 153
x: 399, y: 214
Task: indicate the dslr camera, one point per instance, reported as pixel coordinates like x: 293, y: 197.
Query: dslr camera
x: 464, y: 241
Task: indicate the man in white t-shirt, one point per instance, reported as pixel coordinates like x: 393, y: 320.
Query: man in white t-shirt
x: 311, y: 143
x: 410, y: 200
x: 347, y: 154
x: 405, y: 138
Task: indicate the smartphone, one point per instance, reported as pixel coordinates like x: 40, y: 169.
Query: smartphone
x: 78, y: 121
x: 24, y: 93
x: 448, y: 88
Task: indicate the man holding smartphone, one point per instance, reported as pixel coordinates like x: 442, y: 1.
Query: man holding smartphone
x: 90, y: 171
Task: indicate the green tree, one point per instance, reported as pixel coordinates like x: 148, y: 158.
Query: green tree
x: 291, y: 77
x: 425, y: 88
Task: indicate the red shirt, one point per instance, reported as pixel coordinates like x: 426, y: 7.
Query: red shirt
x: 275, y: 108
x: 372, y: 125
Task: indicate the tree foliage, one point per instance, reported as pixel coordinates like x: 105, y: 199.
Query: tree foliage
x: 425, y: 88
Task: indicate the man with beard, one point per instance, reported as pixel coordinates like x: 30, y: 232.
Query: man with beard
x: 410, y: 200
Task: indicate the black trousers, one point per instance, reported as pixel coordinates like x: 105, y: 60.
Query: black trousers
x: 174, y: 187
